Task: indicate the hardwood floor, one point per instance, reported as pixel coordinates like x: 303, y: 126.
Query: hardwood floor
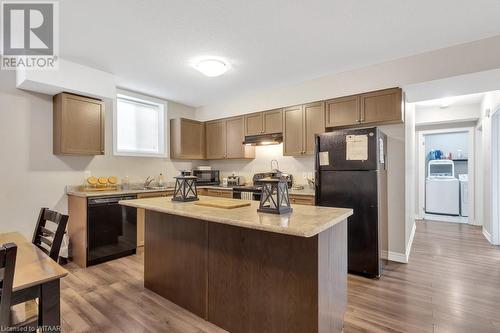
x: 452, y: 284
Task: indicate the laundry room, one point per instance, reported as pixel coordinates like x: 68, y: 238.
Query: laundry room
x: 445, y: 153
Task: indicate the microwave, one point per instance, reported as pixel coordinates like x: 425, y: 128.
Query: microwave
x: 207, y: 177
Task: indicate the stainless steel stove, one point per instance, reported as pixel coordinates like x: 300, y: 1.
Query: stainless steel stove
x: 253, y: 192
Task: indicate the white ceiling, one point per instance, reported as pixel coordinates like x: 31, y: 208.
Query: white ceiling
x: 149, y: 45
x: 451, y: 101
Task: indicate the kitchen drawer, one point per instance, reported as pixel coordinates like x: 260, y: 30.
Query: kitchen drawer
x: 219, y: 193
x: 302, y: 199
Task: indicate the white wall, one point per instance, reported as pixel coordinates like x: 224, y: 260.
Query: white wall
x: 451, y: 114
x: 490, y: 103
x: 32, y: 177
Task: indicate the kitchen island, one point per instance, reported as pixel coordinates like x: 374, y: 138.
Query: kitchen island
x: 246, y: 271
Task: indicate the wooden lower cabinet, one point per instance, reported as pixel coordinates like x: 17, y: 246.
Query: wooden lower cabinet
x: 212, y: 192
x: 141, y: 213
x: 302, y: 199
x: 245, y: 280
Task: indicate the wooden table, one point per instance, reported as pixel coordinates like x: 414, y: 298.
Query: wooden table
x: 36, y: 276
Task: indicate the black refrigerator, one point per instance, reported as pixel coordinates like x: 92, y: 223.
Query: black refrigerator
x: 351, y: 172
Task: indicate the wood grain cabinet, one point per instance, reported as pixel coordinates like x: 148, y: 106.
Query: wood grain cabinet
x: 382, y: 106
x: 235, y: 134
x: 78, y: 125
x: 343, y: 111
x: 187, y: 139
x: 216, y: 139
x: 377, y: 107
x: 266, y: 122
x: 302, y: 199
x: 141, y: 213
x: 301, y: 123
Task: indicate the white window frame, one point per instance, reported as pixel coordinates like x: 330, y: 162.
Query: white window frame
x: 162, y: 147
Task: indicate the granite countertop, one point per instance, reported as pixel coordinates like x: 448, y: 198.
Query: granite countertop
x: 304, y: 221
x: 74, y: 190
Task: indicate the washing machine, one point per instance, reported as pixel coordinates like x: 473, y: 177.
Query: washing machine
x: 442, y: 189
x: 464, y: 194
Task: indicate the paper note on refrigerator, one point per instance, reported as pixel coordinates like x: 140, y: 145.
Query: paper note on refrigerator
x: 324, y: 158
x: 357, y: 147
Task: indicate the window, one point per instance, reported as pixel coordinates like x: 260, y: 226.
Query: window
x: 139, y: 127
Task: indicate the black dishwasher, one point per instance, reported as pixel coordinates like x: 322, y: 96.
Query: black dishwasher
x: 112, y: 229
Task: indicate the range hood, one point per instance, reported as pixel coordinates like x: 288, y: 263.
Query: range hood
x: 263, y: 139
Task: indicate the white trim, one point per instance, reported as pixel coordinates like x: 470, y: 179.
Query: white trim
x: 470, y: 166
x: 162, y: 130
x: 398, y: 257
x: 446, y: 122
x: 446, y: 218
x: 487, y: 235
x: 403, y: 257
x: 495, y: 179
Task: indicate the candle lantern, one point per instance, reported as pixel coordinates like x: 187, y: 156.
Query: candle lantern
x: 185, y: 188
x: 274, y: 197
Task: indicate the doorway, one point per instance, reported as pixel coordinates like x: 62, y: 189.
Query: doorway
x: 446, y: 174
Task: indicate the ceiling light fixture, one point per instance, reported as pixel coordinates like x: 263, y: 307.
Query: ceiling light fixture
x: 211, y: 67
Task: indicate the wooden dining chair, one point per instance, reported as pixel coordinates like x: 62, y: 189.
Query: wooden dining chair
x: 7, y: 265
x: 23, y: 315
x: 48, y: 240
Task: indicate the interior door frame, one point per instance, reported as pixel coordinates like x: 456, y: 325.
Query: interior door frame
x: 470, y: 168
x: 495, y: 177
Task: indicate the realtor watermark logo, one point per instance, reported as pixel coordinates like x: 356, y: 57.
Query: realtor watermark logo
x: 30, y: 35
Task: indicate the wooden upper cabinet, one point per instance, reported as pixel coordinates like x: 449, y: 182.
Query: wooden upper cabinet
x: 216, y: 139
x: 266, y: 122
x: 314, y: 123
x: 254, y: 123
x: 382, y: 106
x: 78, y: 125
x: 235, y: 134
x: 293, y: 134
x: 187, y: 139
x: 301, y: 123
x: 273, y: 121
x: 343, y: 111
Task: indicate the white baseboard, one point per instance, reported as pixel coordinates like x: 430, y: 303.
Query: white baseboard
x: 397, y: 257
x: 487, y: 235
x: 403, y: 257
x: 446, y: 218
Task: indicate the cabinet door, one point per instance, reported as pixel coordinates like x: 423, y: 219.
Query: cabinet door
x: 187, y: 139
x: 273, y: 121
x: 382, y: 106
x: 78, y: 125
x: 235, y: 128
x: 254, y: 124
x: 293, y: 133
x: 216, y: 139
x: 314, y: 123
x: 343, y: 111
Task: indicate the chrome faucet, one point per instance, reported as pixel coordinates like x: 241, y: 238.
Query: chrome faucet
x: 277, y: 165
x: 148, y: 181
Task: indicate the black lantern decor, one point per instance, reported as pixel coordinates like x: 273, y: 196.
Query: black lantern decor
x: 185, y: 188
x: 274, y: 198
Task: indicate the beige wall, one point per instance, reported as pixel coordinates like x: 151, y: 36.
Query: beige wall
x: 32, y: 177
